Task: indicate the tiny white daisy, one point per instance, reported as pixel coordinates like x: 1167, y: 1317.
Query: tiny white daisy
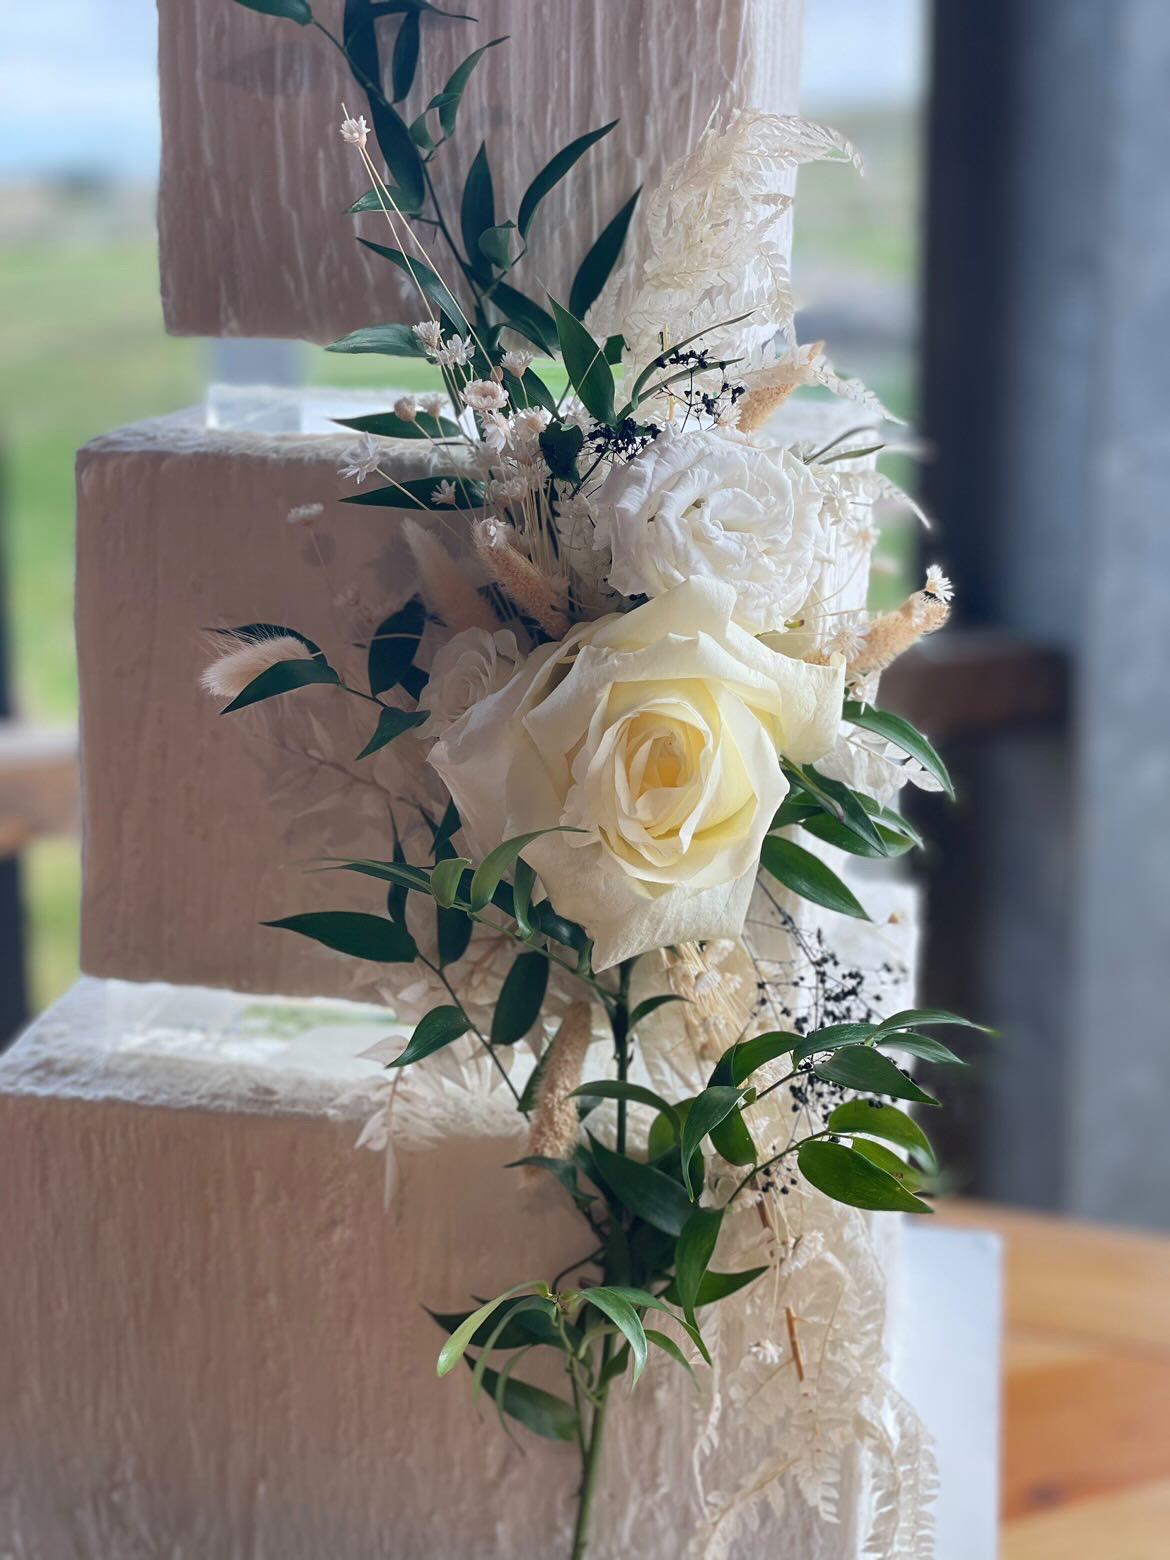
x: 444, y: 493
x: 516, y: 363
x: 937, y: 584
x: 434, y: 405
x: 429, y: 335
x: 454, y: 353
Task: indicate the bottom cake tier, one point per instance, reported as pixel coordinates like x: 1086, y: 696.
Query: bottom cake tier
x: 216, y: 1343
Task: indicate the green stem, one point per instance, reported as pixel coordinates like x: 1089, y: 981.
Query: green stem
x: 590, y: 1465
x: 620, y: 1021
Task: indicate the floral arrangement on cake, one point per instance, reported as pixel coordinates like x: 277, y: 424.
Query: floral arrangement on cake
x: 635, y: 671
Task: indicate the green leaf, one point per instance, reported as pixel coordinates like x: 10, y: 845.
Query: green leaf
x: 646, y: 1192
x: 394, y: 646
x: 401, y: 154
x: 456, y: 1345
x: 553, y: 172
x: 733, y: 1139
x: 611, y: 1303
x: 353, y: 932
x: 835, y: 833
x: 562, y: 1169
x: 527, y: 318
x: 523, y: 884
x: 405, y: 59
x: 914, y: 1018
x: 621, y: 1089
x: 644, y: 1300
x: 882, y: 1121
x: 539, y: 1411
x: 696, y: 1246
x: 560, y: 444
x: 495, y: 244
x: 386, y: 425
x: 521, y: 996
x: 840, y: 802
x: 418, y: 493
x: 707, y: 1110
x: 861, y: 1067
x: 294, y: 10
x: 925, y: 1047
x: 887, y: 1160
x: 434, y: 1030
x: 445, y: 876
x: 375, y: 200
x: 849, y: 1177
x: 390, y: 340
x: 493, y: 866
x: 477, y: 210
x: 282, y: 678
x: 423, y: 277
x: 447, y: 102
x: 668, y: 1346
x: 523, y: 1329
x: 717, y: 1286
x: 739, y: 1061
x: 807, y: 875
x: 453, y: 928
x: 589, y: 373
x: 651, y: 1005
x: 391, y: 724
x: 594, y: 270
x: 903, y: 735
x: 832, y: 1039
x: 410, y: 877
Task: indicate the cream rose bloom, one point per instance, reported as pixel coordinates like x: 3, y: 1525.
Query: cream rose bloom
x: 469, y: 667
x: 658, y: 733
x: 707, y: 505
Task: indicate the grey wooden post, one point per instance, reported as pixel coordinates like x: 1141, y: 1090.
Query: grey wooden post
x: 1047, y: 395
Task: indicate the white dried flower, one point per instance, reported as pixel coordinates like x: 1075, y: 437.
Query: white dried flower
x: 443, y: 493
x: 361, y: 460
x: 516, y: 363
x: 767, y: 1351
x: 406, y: 407
x: 229, y: 674
x: 483, y: 395
x: 429, y: 336
x: 305, y: 514
x: 355, y: 131
x: 711, y: 242
x: 454, y: 353
x: 847, y: 636
x: 434, y: 405
x: 937, y: 585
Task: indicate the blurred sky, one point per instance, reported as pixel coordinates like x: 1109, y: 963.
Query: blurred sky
x: 78, y: 90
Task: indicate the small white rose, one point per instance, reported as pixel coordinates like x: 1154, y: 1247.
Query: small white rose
x: 705, y: 505
x: 468, y: 668
x: 658, y: 734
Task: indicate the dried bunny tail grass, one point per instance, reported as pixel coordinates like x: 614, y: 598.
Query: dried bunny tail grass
x: 555, y: 1125
x: 447, y: 593
x: 535, y: 594
x: 229, y: 674
x: 892, y: 633
x: 772, y: 387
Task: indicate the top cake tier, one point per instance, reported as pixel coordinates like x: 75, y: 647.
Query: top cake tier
x: 256, y: 178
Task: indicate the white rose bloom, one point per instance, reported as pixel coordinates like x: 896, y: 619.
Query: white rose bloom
x: 468, y: 668
x: 658, y: 733
x: 702, y: 505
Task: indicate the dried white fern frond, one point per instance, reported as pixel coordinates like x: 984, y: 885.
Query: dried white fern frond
x: 711, y: 242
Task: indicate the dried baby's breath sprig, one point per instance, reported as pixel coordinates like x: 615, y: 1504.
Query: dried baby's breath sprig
x: 534, y: 593
x: 720, y: 1001
x: 442, y: 584
x: 555, y: 1125
x: 890, y: 634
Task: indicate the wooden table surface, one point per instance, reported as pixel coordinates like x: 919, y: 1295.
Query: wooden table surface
x: 1086, y: 1445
